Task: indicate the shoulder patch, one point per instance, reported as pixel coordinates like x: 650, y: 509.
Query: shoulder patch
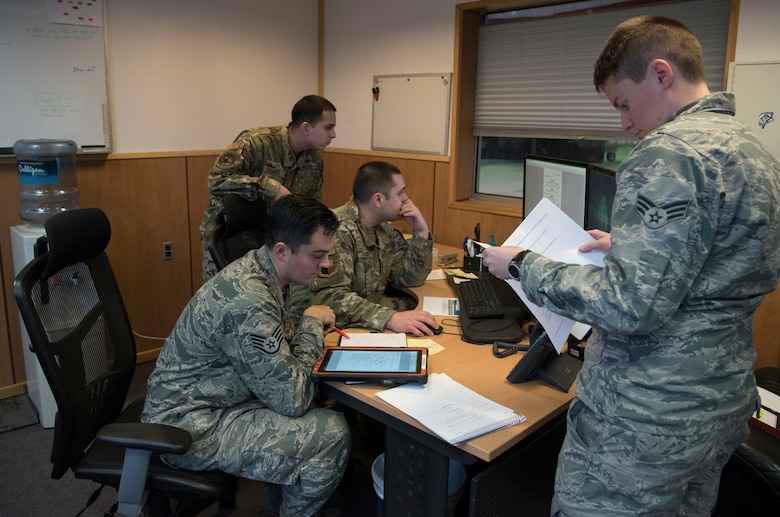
x: 655, y: 216
x: 268, y: 344
x: 226, y: 160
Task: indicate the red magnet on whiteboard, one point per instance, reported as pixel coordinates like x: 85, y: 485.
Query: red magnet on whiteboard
x: 375, y: 91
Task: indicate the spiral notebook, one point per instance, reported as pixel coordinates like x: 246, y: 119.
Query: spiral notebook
x: 449, y: 409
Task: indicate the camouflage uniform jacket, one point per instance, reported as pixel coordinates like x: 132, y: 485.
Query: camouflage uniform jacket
x: 695, y: 248
x: 264, y: 153
x: 233, y: 343
x: 362, y: 262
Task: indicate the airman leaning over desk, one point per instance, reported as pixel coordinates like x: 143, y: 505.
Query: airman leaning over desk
x: 270, y: 162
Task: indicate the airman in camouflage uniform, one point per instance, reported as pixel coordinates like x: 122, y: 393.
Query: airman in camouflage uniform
x: 369, y: 252
x: 271, y: 162
x: 235, y: 373
x: 667, y: 387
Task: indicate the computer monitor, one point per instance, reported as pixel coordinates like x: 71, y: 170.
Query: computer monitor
x: 599, y: 197
x: 560, y: 181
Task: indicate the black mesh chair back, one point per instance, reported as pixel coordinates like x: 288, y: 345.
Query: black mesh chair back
x: 79, y: 329
x: 240, y: 228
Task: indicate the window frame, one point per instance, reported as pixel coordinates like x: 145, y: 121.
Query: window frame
x: 468, y: 19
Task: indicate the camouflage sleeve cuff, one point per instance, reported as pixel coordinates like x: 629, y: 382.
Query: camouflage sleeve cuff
x: 381, y: 316
x: 426, y: 244
x: 269, y: 187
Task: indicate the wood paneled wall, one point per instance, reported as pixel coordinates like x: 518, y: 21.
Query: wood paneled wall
x: 152, y: 199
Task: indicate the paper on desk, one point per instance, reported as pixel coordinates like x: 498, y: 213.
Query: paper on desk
x: 439, y: 306
x: 549, y: 231
x: 436, y: 274
x: 425, y: 342
x: 449, y: 409
x: 374, y: 339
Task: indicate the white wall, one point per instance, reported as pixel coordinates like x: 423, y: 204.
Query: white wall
x: 364, y: 38
x: 187, y: 75
x: 758, y: 37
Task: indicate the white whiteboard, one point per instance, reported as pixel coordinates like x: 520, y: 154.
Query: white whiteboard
x: 411, y: 113
x: 755, y: 87
x: 53, y: 79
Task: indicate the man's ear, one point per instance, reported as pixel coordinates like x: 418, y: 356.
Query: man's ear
x: 281, y: 250
x: 378, y: 199
x: 662, y: 72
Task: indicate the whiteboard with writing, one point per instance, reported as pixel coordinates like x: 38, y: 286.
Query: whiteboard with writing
x: 411, y: 113
x: 53, y: 73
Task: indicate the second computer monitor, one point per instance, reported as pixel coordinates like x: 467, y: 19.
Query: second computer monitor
x: 599, y: 197
x: 560, y: 181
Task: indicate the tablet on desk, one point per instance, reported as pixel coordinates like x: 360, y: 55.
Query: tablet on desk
x: 383, y: 365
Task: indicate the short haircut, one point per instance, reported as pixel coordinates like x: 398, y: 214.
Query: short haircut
x: 636, y: 42
x: 373, y: 177
x: 309, y: 109
x: 294, y: 219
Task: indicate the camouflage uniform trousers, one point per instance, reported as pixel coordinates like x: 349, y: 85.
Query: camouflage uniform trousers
x: 307, y: 454
x: 605, y: 469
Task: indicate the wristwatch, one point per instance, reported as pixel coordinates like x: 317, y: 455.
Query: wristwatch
x: 514, y: 264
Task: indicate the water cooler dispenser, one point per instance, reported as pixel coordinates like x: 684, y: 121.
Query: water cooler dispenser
x: 47, y: 185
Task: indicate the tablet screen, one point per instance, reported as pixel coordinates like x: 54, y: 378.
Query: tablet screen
x: 369, y: 361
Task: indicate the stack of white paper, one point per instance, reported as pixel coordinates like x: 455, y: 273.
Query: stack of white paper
x: 449, y: 409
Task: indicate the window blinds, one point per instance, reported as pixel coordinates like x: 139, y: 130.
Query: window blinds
x: 535, y: 77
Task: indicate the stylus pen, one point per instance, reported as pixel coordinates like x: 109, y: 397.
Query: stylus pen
x: 341, y: 332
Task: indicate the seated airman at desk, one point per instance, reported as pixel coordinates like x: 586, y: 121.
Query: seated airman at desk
x: 369, y: 253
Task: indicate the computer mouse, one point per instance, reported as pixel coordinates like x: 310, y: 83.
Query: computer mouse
x: 436, y: 330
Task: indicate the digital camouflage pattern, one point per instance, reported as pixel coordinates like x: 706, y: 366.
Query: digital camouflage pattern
x: 263, y: 153
x: 236, y: 375
x: 695, y: 248
x: 362, y: 263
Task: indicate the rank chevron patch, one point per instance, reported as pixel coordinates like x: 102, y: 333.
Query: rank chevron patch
x: 655, y: 216
x: 269, y: 345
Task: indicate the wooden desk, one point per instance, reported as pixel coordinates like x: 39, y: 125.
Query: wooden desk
x: 412, y: 450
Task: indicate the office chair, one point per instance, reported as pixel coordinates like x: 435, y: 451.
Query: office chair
x: 240, y: 228
x: 79, y: 329
x: 750, y: 482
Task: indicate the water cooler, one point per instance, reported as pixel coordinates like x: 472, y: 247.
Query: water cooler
x: 23, y: 238
x: 47, y: 185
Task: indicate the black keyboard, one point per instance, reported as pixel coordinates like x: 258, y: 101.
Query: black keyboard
x: 479, y: 300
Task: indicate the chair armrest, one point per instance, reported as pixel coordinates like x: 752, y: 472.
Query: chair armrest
x: 159, y: 438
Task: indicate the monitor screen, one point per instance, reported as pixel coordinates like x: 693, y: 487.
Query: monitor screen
x: 599, y: 198
x: 560, y: 181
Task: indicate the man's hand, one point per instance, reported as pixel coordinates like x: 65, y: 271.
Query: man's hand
x: 412, y: 322
x: 497, y: 259
x: 414, y: 218
x: 603, y: 242
x: 324, y: 314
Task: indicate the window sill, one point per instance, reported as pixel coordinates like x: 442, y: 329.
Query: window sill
x: 489, y: 207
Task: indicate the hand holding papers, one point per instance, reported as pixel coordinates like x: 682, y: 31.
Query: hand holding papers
x: 549, y: 231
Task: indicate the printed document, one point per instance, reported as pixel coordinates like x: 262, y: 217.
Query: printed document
x: 549, y: 231
x: 450, y: 409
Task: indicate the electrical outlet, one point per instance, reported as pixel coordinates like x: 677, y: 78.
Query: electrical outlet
x: 167, y: 250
